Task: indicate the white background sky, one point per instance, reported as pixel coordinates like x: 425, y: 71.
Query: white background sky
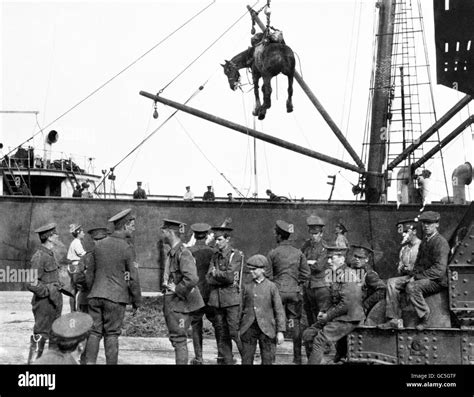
x: 56, y: 53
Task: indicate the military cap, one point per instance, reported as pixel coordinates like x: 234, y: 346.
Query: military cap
x: 429, y: 217
x: 314, y: 220
x: 229, y: 194
x: 72, y: 326
x: 200, y: 227
x: 173, y: 225
x: 122, y: 215
x: 46, y: 228
x: 73, y: 227
x: 85, y: 185
x: 188, y: 187
x: 334, y: 250
x: 362, y: 248
x: 97, y: 232
x: 139, y: 183
x: 221, y: 230
x: 285, y: 226
x: 257, y: 261
x: 209, y: 186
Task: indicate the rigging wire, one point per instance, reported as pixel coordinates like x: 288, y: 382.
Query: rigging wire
x: 117, y: 74
x: 206, y: 49
x: 209, y: 160
x: 147, y: 138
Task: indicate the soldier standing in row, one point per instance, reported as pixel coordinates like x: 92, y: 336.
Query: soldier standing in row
x: 288, y: 269
x: 139, y: 193
x: 202, y: 254
x: 316, y: 294
x: 344, y: 313
x: 47, y: 299
x: 224, y: 278
x: 179, y: 281
x: 112, y: 277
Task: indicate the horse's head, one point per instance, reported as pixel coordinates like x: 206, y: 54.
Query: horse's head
x: 232, y: 73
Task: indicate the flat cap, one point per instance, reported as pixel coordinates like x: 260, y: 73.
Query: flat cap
x: 85, y: 185
x: 341, y: 225
x: 314, y: 220
x: 334, y: 250
x: 200, y: 227
x: 173, y: 225
x: 362, y: 248
x: 72, y: 325
x: 407, y: 223
x: 229, y: 194
x: 73, y: 227
x: 220, y: 230
x: 257, y: 261
x: 46, y: 228
x: 285, y: 226
x: 429, y: 217
x: 122, y: 215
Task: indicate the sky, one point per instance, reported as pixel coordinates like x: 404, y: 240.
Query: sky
x: 54, y: 54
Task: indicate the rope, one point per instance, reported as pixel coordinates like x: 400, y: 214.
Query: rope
x: 148, y: 137
x: 207, y: 48
x: 117, y: 74
x: 208, y: 160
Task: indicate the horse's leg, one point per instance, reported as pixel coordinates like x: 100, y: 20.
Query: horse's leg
x: 256, y: 77
x: 267, y: 92
x: 289, y: 103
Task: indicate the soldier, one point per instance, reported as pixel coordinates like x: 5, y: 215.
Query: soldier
x: 316, y: 294
x: 263, y: 316
x: 203, y: 255
x: 373, y: 287
x: 179, y: 281
x: 288, y: 269
x: 70, y: 332
x: 345, y: 312
x: 97, y: 233
x: 139, y: 193
x: 112, y: 277
x: 224, y: 278
x: 209, y: 195
x: 428, y: 277
x: 47, y: 300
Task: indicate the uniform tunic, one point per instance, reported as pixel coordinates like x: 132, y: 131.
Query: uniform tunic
x: 47, y: 300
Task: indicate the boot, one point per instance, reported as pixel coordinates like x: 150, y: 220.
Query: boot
x: 197, y: 344
x: 316, y: 355
x: 37, y: 343
x: 111, y: 346
x: 181, y: 353
x: 92, y: 349
x: 297, y: 340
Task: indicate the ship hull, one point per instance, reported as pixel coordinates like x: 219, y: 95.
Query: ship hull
x: 253, y: 224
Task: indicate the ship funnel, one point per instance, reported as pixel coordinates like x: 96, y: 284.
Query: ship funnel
x: 461, y: 177
x: 51, y: 138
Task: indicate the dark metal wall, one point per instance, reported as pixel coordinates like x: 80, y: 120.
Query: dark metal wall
x: 252, y: 222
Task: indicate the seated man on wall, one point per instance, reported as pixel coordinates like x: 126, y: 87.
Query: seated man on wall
x: 428, y: 276
x: 345, y: 312
x: 373, y: 287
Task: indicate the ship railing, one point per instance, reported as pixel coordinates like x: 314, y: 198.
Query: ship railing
x: 42, y: 159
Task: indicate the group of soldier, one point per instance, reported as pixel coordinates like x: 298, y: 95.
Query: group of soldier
x: 247, y: 300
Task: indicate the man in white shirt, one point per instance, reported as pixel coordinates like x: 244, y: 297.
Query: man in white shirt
x: 74, y: 254
x: 188, y: 195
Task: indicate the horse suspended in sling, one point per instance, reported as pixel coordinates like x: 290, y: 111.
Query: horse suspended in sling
x: 265, y: 60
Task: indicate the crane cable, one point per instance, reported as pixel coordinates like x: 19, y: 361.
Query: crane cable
x: 115, y: 76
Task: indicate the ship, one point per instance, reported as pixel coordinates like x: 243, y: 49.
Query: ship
x: 37, y: 188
